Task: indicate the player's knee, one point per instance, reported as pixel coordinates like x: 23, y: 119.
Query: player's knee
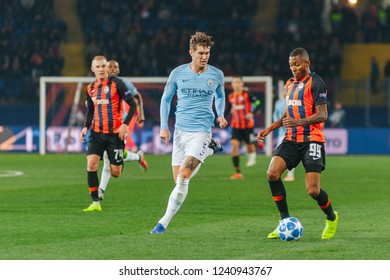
x: 184, y: 175
x: 313, y: 191
x: 91, y: 166
x: 116, y: 173
x: 272, y: 174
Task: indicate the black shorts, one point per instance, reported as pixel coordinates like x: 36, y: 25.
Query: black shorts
x: 99, y: 142
x: 312, y: 155
x: 244, y: 134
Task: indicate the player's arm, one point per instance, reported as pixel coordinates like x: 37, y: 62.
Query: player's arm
x: 165, y: 106
x: 220, y: 102
x: 319, y: 116
x: 128, y: 98
x: 131, y: 89
x: 88, y: 117
x: 140, y: 105
x: 263, y: 133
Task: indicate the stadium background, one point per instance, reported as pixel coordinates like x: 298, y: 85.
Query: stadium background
x: 42, y: 197
x: 149, y: 38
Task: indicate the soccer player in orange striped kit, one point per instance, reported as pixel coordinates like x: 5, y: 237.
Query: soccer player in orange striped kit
x: 242, y: 105
x: 108, y: 129
x: 306, y: 109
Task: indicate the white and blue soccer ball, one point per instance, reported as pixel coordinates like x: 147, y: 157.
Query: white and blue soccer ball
x: 290, y: 229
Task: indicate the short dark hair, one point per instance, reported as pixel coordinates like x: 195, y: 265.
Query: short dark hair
x: 238, y: 76
x: 200, y: 39
x: 299, y: 52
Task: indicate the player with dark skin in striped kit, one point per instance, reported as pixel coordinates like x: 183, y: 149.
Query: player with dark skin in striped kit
x: 306, y: 109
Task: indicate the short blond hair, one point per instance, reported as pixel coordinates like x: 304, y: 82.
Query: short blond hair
x: 200, y: 39
x: 98, y: 57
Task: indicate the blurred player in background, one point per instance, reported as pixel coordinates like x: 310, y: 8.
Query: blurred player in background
x: 113, y: 70
x: 196, y: 85
x: 279, y: 110
x: 242, y: 105
x: 304, y: 141
x: 108, y: 128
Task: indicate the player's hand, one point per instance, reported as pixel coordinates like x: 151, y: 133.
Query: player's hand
x: 83, y: 133
x: 140, y: 120
x: 262, y: 134
x: 122, y: 131
x: 222, y: 122
x: 249, y: 116
x: 165, y: 135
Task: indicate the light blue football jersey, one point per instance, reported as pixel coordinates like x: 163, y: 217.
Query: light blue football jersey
x: 279, y: 110
x: 195, y: 95
x: 132, y: 90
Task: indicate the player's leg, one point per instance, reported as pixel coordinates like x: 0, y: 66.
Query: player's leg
x: 213, y: 147
x: 250, y: 147
x: 93, y: 182
x: 317, y: 193
x: 180, y: 191
x: 236, y: 159
x: 276, y: 167
x: 193, y: 148
x: 285, y: 156
x: 139, y: 157
x: 290, y: 175
x: 115, y: 151
x: 177, y: 159
x: 235, y: 143
x: 314, y: 163
x: 94, y: 153
x: 105, y: 177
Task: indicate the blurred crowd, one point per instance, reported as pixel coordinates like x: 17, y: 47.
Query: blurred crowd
x: 30, y: 46
x: 373, y: 26
x: 150, y: 37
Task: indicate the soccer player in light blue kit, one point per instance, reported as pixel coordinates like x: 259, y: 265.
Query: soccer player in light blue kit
x: 196, y: 85
x: 279, y: 110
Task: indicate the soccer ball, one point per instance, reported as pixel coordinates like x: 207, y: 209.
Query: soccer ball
x: 290, y: 229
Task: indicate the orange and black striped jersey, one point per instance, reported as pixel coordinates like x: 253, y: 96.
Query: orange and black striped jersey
x: 302, y: 97
x: 240, y: 104
x: 105, y: 105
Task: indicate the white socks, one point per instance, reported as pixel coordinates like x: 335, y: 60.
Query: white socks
x: 106, y: 173
x: 252, y: 156
x: 176, y: 199
x: 132, y: 157
x: 251, y: 159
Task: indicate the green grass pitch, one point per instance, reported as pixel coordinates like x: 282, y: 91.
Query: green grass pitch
x: 41, y: 212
